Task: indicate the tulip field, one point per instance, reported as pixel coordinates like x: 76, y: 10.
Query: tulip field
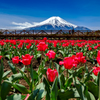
x: 49, y: 69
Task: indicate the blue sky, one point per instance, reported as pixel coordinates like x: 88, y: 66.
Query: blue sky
x: 79, y: 12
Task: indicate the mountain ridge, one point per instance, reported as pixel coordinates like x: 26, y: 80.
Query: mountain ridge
x: 56, y: 23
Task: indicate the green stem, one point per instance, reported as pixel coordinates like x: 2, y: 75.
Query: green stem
x: 66, y: 74
x: 51, y: 64
x: 28, y: 73
x: 41, y: 56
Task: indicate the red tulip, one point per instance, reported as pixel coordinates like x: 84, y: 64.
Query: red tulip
x: 96, y: 70
x: 89, y: 48
x: 68, y: 62
x: 14, y: 47
x: 15, y: 60
x: 28, y: 46
x: 72, y: 43
x: 55, y: 43
x: 79, y: 58
x: 51, y: 74
x: 2, y: 43
x: 51, y: 54
x: 26, y: 60
x: 95, y: 47
x: 20, y: 45
x: 44, y: 38
x: 42, y: 46
x: 0, y: 57
x: 98, y: 57
x: 61, y: 63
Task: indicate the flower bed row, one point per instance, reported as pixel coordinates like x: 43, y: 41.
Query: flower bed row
x: 50, y: 82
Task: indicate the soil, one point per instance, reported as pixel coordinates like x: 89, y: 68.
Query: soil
x: 36, y: 64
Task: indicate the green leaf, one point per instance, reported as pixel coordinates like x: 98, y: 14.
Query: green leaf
x: 54, y: 91
x: 9, y: 82
x: 80, y: 90
x: 41, y: 93
x: 5, y: 74
x: 88, y: 76
x: 69, y: 81
x: 90, y: 96
x: 79, y: 72
x: 24, y: 76
x: 21, y: 88
x: 61, y: 69
x: 1, y: 71
x: 31, y: 73
x: 47, y: 88
x: 93, y: 88
x: 38, y: 55
x: 15, y: 77
x: 62, y: 81
x: 14, y: 97
x: 44, y: 70
x: 39, y: 96
x: 94, y: 77
x: 23, y: 97
x: 12, y: 67
x: 50, y: 65
x: 35, y: 75
x: 8, y: 56
x: 33, y: 95
x: 23, y: 69
x: 60, y: 51
x: 57, y: 67
x: 65, y: 95
x: 5, y: 90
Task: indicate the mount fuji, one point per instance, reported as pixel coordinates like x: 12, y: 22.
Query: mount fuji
x: 55, y: 23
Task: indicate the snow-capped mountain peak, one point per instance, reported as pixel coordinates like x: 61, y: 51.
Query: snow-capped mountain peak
x: 56, y: 21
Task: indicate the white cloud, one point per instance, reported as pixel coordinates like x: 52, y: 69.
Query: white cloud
x: 17, y: 22
x: 22, y: 25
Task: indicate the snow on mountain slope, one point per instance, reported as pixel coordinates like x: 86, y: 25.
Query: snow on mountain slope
x: 55, y: 23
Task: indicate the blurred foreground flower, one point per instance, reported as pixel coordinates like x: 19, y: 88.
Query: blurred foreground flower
x: 0, y: 57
